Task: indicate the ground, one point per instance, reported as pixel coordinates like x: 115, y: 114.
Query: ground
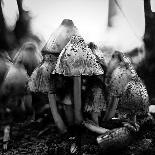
x: 43, y: 138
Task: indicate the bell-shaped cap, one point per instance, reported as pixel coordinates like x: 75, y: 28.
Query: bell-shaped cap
x: 77, y: 59
x: 60, y: 37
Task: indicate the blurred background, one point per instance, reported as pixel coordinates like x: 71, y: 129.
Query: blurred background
x: 119, y: 23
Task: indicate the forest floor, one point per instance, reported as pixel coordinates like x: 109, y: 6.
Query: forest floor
x: 43, y: 138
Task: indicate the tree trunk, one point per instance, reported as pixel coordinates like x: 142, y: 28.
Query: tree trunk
x: 20, y: 7
x: 146, y: 69
x: 3, y: 30
x: 149, y: 38
x: 149, y: 35
x: 22, y: 28
x: 112, y: 11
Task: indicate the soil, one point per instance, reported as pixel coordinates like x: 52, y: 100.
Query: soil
x: 42, y: 138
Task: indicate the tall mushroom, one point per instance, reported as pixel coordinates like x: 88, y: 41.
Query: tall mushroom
x: 75, y: 60
x: 41, y: 79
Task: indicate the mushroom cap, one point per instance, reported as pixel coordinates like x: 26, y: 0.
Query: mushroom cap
x: 60, y: 37
x: 77, y: 59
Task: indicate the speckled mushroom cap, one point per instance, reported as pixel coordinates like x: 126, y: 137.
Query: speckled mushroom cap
x: 100, y: 55
x: 135, y: 99
x: 60, y: 37
x: 125, y: 85
x: 77, y: 59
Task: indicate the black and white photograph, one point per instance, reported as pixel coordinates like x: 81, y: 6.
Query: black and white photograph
x: 77, y: 77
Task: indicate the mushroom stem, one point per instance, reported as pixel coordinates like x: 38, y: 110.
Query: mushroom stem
x: 94, y: 128
x: 77, y: 100
x: 111, y: 110
x: 6, y: 137
x: 56, y: 116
